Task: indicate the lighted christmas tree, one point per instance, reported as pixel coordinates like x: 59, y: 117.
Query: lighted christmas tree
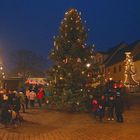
x: 130, y: 73
x: 73, y: 72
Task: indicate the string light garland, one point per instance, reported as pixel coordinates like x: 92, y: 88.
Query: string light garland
x: 83, y: 72
x: 130, y: 71
x: 73, y: 63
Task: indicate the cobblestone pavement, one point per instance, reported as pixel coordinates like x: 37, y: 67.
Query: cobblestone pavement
x: 41, y: 124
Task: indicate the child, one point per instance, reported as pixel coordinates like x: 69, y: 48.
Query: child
x: 94, y: 107
x: 100, y: 112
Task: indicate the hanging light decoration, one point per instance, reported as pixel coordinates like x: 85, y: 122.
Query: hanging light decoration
x: 130, y: 71
x: 83, y: 72
x: 88, y: 65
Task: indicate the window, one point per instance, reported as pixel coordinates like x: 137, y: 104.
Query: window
x: 120, y: 68
x: 115, y: 70
x: 100, y: 60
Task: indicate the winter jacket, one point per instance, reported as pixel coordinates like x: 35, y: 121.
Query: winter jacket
x: 119, y: 105
x: 111, y: 103
x: 28, y: 94
x: 32, y: 95
x: 94, y: 105
x: 40, y: 94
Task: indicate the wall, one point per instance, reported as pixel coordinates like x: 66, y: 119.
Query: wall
x: 116, y: 71
x: 119, y: 75
x: 100, y: 58
x: 137, y: 67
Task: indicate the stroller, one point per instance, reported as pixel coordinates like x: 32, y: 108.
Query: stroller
x: 11, y: 118
x: 16, y: 118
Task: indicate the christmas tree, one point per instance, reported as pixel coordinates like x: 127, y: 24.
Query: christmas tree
x: 130, y: 73
x: 73, y: 73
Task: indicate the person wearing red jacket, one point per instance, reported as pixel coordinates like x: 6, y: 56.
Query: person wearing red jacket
x: 40, y: 96
x: 95, y: 107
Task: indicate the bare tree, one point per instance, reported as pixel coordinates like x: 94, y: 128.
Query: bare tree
x: 28, y: 64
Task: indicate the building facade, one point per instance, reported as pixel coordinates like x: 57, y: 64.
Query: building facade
x: 112, y: 62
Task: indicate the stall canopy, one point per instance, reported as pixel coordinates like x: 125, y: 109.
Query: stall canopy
x: 38, y: 81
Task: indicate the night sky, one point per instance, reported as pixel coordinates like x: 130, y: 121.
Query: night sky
x: 31, y: 24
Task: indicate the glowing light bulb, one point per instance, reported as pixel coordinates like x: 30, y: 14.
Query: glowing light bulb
x: 88, y: 65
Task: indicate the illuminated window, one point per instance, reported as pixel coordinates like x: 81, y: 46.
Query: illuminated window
x: 120, y: 68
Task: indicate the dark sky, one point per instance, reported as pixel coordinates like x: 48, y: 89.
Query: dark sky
x: 31, y: 24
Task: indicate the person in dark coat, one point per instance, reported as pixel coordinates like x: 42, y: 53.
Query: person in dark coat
x: 119, y: 106
x: 16, y: 104
x: 103, y: 102
x: 11, y: 95
x: 100, y: 112
x: 5, y: 115
x: 1, y: 98
x: 111, y: 103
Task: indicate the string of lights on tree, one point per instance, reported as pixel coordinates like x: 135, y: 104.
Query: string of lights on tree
x: 73, y: 72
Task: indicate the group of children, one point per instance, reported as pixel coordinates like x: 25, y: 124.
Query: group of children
x: 109, y: 105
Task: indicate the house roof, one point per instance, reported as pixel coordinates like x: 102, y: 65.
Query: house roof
x: 117, y: 54
x: 101, y: 52
x: 137, y: 57
x: 133, y: 45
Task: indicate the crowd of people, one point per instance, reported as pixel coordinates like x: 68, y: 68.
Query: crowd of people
x: 110, y: 106
x: 14, y: 102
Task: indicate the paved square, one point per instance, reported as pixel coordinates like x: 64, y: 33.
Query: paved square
x: 42, y: 124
